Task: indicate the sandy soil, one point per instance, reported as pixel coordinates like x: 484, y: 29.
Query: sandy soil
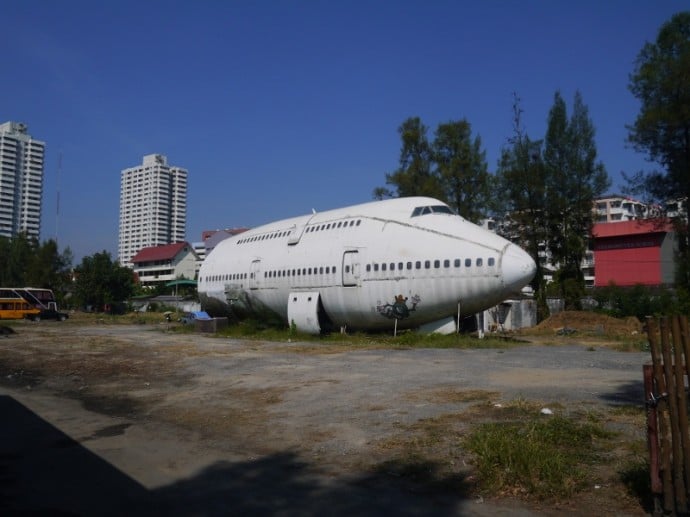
x: 113, y: 419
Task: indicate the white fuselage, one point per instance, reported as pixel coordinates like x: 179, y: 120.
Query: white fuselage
x: 364, y: 266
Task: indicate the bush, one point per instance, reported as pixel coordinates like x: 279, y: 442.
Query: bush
x: 639, y: 301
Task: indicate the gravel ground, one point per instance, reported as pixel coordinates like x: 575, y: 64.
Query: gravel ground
x: 106, y: 420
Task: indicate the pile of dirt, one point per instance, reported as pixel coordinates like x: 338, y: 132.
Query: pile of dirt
x: 591, y: 323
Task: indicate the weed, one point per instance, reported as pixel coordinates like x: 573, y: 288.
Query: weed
x: 540, y: 457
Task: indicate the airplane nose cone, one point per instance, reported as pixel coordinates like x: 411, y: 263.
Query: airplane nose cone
x: 518, y: 268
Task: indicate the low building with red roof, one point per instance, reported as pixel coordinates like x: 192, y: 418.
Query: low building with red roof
x: 634, y: 252
x: 162, y: 264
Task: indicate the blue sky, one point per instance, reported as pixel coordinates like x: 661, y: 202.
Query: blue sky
x: 278, y: 107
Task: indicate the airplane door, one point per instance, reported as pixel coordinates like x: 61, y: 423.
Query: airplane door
x: 303, y: 311
x: 255, y: 274
x: 350, y: 268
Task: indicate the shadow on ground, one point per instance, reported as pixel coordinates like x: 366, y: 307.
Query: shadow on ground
x: 630, y: 393
x: 45, y: 472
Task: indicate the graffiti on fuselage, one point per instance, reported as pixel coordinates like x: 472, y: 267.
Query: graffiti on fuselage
x: 398, y: 309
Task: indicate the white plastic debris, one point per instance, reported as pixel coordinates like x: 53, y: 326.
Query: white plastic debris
x: 546, y: 411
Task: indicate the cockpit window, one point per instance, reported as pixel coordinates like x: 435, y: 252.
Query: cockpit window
x: 436, y: 209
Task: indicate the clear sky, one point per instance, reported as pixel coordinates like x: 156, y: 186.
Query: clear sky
x: 276, y: 107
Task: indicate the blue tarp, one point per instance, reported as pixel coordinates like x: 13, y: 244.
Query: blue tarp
x: 201, y: 315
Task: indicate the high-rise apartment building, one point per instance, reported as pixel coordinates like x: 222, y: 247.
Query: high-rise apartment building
x: 21, y: 181
x: 153, y: 206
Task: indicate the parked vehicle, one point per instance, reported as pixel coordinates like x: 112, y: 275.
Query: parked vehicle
x: 48, y: 314
x: 24, y: 302
x: 12, y: 309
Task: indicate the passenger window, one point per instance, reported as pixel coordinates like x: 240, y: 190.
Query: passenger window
x: 456, y: 263
x: 334, y: 270
x: 409, y: 265
x: 328, y: 270
x: 352, y: 223
x: 376, y: 267
x: 446, y: 263
x: 359, y: 221
x: 400, y: 266
x: 492, y: 261
x: 427, y: 264
x: 368, y: 267
x: 479, y: 262
x: 437, y: 264
x: 468, y: 262
x: 321, y: 270
x: 383, y: 266
x: 347, y: 269
x: 418, y: 265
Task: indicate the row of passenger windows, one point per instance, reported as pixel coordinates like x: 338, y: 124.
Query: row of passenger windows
x: 333, y: 226
x: 274, y: 235
x: 428, y: 264
x: 300, y: 272
x: 312, y: 228
x: 375, y: 267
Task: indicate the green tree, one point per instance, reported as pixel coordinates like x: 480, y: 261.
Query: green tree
x: 522, y: 178
x: 661, y: 82
x: 414, y: 176
x: 49, y: 268
x: 573, y: 179
x: 23, y: 262
x: 15, y: 255
x: 99, y: 281
x: 461, y: 169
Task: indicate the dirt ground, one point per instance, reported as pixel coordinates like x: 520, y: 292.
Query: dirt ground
x: 112, y: 419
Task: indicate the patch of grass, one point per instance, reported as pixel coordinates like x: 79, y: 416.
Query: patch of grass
x: 260, y: 331
x: 541, y: 457
x: 631, y: 344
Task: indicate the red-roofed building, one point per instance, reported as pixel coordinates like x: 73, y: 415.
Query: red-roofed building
x: 634, y: 252
x: 162, y: 264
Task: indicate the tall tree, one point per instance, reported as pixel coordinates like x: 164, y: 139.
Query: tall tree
x: 99, y: 280
x: 573, y: 179
x: 414, y: 176
x: 49, y: 268
x: 461, y: 169
x: 661, y: 82
x: 521, y: 179
x: 15, y: 255
x: 25, y: 262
